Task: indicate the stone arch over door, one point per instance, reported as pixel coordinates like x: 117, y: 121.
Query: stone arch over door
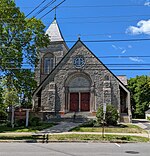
x: 78, y: 92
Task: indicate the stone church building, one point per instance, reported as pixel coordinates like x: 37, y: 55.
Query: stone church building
x: 75, y: 80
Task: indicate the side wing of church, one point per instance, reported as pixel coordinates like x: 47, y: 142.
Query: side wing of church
x: 76, y: 80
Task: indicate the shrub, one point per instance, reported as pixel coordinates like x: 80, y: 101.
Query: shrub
x: 111, y: 116
x: 3, y: 115
x: 90, y: 123
x: 20, y: 122
x: 34, y: 121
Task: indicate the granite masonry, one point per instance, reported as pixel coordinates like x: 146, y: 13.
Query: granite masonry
x: 76, y: 80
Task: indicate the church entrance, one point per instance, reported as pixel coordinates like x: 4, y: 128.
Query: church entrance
x: 79, y: 102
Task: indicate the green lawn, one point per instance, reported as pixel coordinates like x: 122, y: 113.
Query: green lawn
x: 42, y: 126
x: 97, y: 137
x: 128, y: 128
x: 77, y: 137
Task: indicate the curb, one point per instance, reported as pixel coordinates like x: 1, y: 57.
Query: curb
x: 64, y: 141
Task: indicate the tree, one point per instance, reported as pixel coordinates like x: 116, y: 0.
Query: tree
x: 25, y: 84
x: 140, y: 95
x: 11, y: 97
x: 1, y: 98
x: 20, y: 39
x: 111, y: 116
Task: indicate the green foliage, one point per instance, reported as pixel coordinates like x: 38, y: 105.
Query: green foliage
x: 3, y: 115
x: 20, y: 123
x: 8, y: 128
x: 90, y: 123
x: 140, y: 91
x: 111, y: 116
x: 148, y: 117
x: 1, y: 98
x: 11, y: 97
x: 25, y: 85
x: 20, y: 38
x: 34, y: 121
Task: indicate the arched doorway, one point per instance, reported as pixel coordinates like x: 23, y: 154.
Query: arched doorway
x: 78, y: 87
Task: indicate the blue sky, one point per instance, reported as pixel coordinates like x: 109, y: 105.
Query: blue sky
x: 104, y: 20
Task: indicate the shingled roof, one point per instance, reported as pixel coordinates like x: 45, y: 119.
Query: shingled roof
x: 54, y: 32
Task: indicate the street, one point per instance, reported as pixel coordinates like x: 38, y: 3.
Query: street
x: 74, y: 149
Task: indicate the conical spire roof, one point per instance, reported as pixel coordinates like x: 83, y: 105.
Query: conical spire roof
x: 54, y: 32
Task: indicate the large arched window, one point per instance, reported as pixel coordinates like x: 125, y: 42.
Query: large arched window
x: 48, y: 63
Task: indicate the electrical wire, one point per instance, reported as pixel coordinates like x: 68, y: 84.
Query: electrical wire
x: 108, y: 56
x: 106, y: 41
x: 35, y: 8
x: 101, y: 6
x: 89, y: 6
x: 53, y: 9
x: 45, y: 7
x: 95, y: 17
x: 83, y: 69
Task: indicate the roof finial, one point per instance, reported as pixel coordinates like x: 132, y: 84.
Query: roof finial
x: 79, y: 36
x: 55, y: 14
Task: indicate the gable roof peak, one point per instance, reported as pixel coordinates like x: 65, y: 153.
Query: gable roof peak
x: 54, y: 32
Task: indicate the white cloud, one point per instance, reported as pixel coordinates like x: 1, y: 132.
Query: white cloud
x: 123, y: 51
x: 130, y: 46
x: 109, y: 36
x: 115, y: 47
x: 119, y: 49
x: 135, y: 59
x: 147, y: 3
x: 143, y: 27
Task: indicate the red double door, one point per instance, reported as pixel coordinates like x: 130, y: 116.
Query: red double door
x: 82, y: 99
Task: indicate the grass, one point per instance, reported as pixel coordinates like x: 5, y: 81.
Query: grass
x: 42, y: 126
x: 78, y: 137
x: 128, y: 128
x: 97, y: 137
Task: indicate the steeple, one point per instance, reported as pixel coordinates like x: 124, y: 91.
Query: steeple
x: 54, y: 32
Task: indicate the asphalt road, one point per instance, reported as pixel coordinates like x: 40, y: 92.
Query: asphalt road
x: 74, y: 149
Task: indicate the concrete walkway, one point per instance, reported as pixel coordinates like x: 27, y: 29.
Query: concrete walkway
x: 143, y: 123
x: 61, y: 127
x: 64, y: 127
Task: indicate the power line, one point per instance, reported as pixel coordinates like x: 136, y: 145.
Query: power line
x: 68, y: 6
x: 53, y: 9
x: 45, y: 7
x: 117, y: 40
x: 88, y: 22
x: 91, y: 22
x: 108, y: 56
x: 83, y: 69
x: 100, y: 6
x: 116, y: 64
x: 35, y: 8
x: 95, y: 17
x: 98, y: 41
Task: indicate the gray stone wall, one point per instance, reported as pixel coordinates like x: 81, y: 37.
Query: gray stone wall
x: 48, y: 97
x: 96, y: 72
x: 58, y: 49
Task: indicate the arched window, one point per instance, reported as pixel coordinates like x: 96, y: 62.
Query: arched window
x: 48, y: 63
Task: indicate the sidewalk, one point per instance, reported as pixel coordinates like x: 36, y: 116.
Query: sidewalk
x: 143, y: 123
x: 61, y: 127
x: 64, y: 127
